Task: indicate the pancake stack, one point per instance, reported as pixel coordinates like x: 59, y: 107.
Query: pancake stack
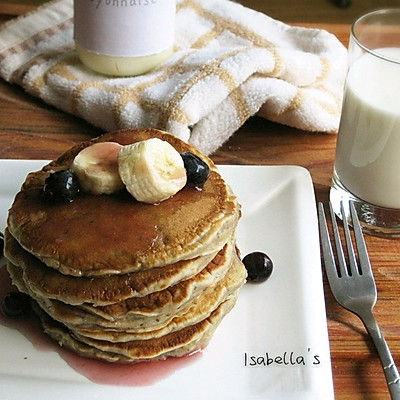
x: 121, y: 280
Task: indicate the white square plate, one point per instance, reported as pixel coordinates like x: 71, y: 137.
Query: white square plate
x: 273, y: 345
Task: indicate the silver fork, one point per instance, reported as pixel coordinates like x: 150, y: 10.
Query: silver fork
x: 353, y: 285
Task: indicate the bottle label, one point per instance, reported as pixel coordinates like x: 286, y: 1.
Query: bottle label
x: 124, y: 28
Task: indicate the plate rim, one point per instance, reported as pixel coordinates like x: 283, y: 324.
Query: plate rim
x: 301, y: 173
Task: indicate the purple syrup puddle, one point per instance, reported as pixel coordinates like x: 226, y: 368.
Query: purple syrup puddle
x: 101, y: 372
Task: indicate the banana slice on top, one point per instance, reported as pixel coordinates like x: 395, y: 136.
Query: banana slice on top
x: 152, y: 170
x: 96, y: 168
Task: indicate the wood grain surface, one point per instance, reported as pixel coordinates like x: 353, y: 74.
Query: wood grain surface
x: 29, y: 129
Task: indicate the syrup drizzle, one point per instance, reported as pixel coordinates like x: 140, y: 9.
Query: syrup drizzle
x: 100, y: 372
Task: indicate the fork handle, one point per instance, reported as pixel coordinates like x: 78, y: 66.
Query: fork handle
x: 389, y: 367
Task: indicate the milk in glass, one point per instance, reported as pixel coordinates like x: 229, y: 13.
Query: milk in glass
x: 368, y: 149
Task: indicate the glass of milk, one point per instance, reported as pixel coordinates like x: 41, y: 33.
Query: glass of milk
x: 367, y: 161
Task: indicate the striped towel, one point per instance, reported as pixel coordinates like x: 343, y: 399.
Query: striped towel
x: 229, y: 63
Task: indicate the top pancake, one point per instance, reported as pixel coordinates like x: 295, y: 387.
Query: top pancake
x: 114, y: 234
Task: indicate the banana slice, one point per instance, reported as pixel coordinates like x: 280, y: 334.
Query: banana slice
x: 96, y: 167
x: 152, y: 170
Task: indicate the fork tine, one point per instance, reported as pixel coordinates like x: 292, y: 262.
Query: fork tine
x: 329, y: 259
x: 365, y: 265
x: 349, y: 244
x: 339, y: 248
x: 327, y: 251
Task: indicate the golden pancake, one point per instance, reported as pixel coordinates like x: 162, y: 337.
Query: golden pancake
x: 170, y: 300
x: 114, y: 234
x: 104, y: 290
x: 146, y: 313
x: 174, y: 344
x: 186, y: 334
x: 77, y: 318
x: 200, y: 308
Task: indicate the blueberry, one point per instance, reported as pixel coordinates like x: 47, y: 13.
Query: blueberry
x: 197, y: 170
x: 15, y: 304
x: 61, y: 187
x: 259, y: 266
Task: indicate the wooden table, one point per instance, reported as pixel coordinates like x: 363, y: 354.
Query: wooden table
x: 29, y: 129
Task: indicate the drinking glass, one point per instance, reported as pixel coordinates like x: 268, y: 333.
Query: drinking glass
x: 367, y: 160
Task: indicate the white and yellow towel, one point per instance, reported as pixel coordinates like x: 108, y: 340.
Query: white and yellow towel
x: 229, y: 63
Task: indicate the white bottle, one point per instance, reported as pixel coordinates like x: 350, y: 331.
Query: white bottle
x: 123, y: 37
